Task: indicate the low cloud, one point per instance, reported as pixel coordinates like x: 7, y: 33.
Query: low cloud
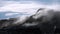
x: 26, y: 8
x: 29, y: 8
x: 10, y: 14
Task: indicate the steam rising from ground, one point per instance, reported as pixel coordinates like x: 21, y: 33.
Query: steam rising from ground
x: 29, y: 8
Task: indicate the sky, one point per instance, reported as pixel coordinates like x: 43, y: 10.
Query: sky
x: 15, y: 8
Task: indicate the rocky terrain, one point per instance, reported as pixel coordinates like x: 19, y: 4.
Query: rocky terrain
x: 39, y: 23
